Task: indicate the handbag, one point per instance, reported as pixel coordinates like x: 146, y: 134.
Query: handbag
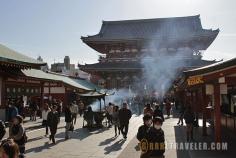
x: 44, y: 123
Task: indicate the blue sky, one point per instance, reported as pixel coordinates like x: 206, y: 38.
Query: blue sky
x: 52, y: 28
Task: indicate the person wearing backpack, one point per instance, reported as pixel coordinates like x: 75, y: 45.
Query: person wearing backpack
x: 18, y: 134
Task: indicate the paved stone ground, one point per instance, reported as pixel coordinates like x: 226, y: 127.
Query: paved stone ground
x: 99, y: 143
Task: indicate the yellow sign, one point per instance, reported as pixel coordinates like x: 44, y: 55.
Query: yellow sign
x: 195, y: 80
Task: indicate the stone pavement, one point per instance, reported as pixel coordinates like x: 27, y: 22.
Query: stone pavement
x: 99, y: 143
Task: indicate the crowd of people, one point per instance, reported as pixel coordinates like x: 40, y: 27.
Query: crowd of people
x: 14, y: 145
x: 117, y: 116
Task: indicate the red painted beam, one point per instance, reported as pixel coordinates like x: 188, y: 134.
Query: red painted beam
x: 217, y: 113
x: 218, y: 74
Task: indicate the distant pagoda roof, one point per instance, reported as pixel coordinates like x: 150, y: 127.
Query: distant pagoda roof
x: 128, y: 66
x: 11, y: 58
x: 167, y: 30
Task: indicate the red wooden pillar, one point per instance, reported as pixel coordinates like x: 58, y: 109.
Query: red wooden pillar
x: 192, y: 101
x: 217, y: 113
x: 49, y: 88
x: 3, y: 99
x: 204, y: 104
x: 66, y: 96
x: 3, y: 93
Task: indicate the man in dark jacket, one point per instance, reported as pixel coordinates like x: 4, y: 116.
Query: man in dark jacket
x: 157, y: 138
x: 68, y: 120
x: 124, y: 117
x: 143, y: 134
x: 143, y: 130
x: 53, y: 121
x: 181, y: 115
x: 189, y: 119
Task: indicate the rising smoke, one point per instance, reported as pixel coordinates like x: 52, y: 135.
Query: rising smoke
x: 161, y: 68
x: 120, y: 96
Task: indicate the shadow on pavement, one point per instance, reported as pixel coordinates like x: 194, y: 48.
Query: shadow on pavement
x: 35, y: 139
x: 107, y: 141
x: 46, y: 146
x: 180, y: 138
x: 114, y: 147
x: 81, y: 133
x: 33, y: 127
x: 98, y: 130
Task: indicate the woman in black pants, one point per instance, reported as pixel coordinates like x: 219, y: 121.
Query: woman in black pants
x: 53, y: 121
x: 115, y: 120
x: 45, y: 112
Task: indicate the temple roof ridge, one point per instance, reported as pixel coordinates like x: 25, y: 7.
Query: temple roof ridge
x: 149, y: 20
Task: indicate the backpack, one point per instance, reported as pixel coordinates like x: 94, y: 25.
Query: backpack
x: 23, y: 139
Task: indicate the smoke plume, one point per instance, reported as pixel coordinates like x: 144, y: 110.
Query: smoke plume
x: 161, y: 68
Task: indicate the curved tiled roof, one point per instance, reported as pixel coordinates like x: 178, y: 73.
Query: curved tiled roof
x: 159, y: 28
x: 213, y: 67
x: 163, y: 32
x: 8, y: 55
x: 39, y: 74
x: 137, y: 65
